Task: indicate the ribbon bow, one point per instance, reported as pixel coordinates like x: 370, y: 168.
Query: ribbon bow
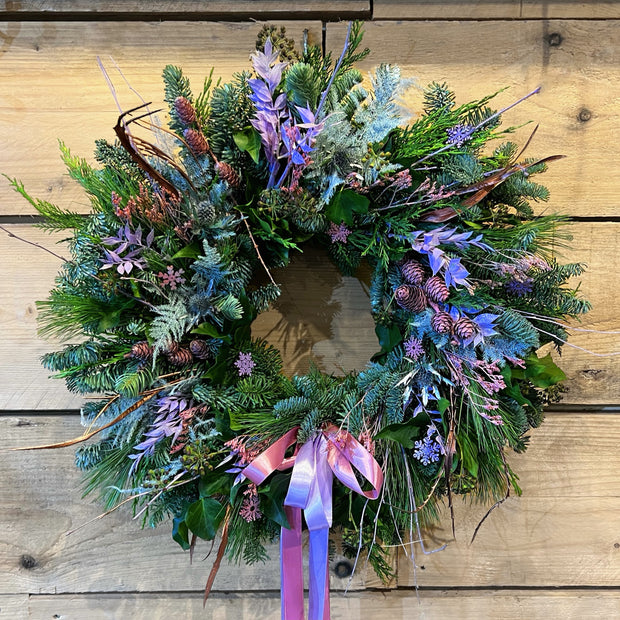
x: 332, y: 452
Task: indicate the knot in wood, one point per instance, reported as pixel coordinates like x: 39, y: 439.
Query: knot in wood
x: 584, y: 115
x: 27, y: 561
x: 554, y: 39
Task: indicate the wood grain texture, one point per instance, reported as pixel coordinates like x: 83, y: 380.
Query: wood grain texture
x: 321, y: 317
x: 14, y: 607
x: 400, y: 605
x: 584, y: 9
x: 202, y: 9
x: 580, y: 78
x: 71, y: 100
x: 495, y: 9
x: 446, y: 9
x: 562, y: 531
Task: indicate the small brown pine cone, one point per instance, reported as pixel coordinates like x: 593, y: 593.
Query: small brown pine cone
x: 227, y: 173
x: 464, y: 328
x: 171, y: 347
x: 196, y: 141
x: 200, y: 349
x: 185, y: 110
x: 413, y: 272
x: 182, y: 357
x: 436, y: 289
x: 441, y: 322
x: 142, y: 350
x: 410, y: 298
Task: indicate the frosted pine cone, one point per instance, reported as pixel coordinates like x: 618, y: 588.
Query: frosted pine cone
x: 436, y: 289
x: 413, y: 272
x: 182, y: 357
x: 185, y: 110
x: 410, y: 298
x: 464, y: 328
x: 142, y: 351
x: 441, y: 322
x: 196, y: 141
x: 200, y: 349
x: 227, y: 173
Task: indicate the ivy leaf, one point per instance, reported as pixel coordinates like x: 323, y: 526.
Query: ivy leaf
x: 272, y: 500
x: 204, y: 517
x: 207, y: 329
x: 344, y: 205
x: 248, y: 140
x: 189, y: 251
x: 214, y: 484
x: 403, y: 434
x: 543, y: 372
x: 180, y: 532
x: 389, y: 337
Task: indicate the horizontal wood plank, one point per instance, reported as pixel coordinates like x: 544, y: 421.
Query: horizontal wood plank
x: 321, y: 317
x: 495, y: 9
x: 446, y: 9
x: 260, y: 9
x: 14, y: 607
x: 72, y: 101
x: 484, y: 605
x: 41, y: 502
x: 579, y: 77
x: 562, y: 531
x: 575, y: 9
x: 576, y: 110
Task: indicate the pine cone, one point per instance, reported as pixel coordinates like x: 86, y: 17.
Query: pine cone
x: 410, y: 298
x: 436, y: 289
x: 465, y: 328
x: 182, y: 357
x: 227, y: 173
x: 413, y: 272
x: 171, y: 348
x: 142, y: 350
x: 196, y: 141
x: 200, y: 349
x: 185, y: 110
x: 441, y: 322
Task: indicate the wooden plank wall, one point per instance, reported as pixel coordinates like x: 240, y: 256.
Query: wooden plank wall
x: 554, y: 552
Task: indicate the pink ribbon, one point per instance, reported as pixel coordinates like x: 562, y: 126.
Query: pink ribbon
x: 333, y: 452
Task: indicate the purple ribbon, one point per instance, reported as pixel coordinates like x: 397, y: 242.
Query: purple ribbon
x: 333, y: 452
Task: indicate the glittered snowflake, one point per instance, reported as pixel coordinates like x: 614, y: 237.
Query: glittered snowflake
x: 171, y: 278
x: 427, y: 450
x: 459, y: 134
x: 520, y: 287
x: 245, y: 364
x: 338, y: 233
x: 414, y: 348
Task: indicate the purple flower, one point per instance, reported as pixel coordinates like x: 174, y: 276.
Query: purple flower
x: 169, y: 423
x: 459, y: 134
x: 245, y: 364
x: 455, y: 273
x: 520, y: 287
x: 269, y: 112
x: 339, y: 233
x: 414, y: 348
x: 427, y: 450
x: 125, y: 238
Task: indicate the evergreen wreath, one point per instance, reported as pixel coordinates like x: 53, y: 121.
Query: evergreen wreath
x: 175, y: 261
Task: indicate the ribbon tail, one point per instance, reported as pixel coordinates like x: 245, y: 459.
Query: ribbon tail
x: 291, y: 567
x: 319, y: 575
